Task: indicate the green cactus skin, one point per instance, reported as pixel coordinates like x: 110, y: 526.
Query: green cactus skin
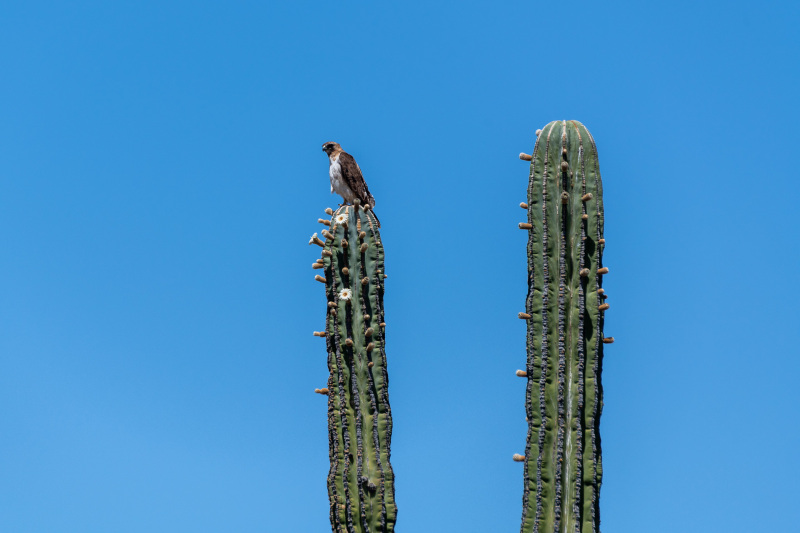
x: 564, y: 395
x: 361, y: 480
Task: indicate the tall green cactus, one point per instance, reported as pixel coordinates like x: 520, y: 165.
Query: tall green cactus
x: 564, y: 312
x: 360, y: 481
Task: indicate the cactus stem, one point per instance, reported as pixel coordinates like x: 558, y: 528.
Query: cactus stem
x: 523, y: 205
x: 320, y: 279
x: 603, y: 270
x: 521, y: 373
x: 562, y: 468
x: 523, y: 316
x: 608, y: 340
x: 603, y: 307
x: 525, y: 157
x: 525, y: 225
x: 518, y: 458
x: 328, y: 211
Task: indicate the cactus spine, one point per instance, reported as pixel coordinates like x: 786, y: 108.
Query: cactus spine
x: 360, y: 480
x: 564, y: 310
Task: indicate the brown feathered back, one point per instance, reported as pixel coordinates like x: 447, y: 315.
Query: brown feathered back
x: 351, y: 173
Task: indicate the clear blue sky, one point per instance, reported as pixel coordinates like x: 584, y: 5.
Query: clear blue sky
x: 161, y: 172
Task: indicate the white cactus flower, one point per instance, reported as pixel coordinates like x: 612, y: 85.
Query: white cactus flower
x: 345, y: 294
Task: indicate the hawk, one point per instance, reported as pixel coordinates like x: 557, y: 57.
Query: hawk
x: 346, y: 177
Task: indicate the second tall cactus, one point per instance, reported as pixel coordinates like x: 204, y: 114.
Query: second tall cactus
x: 564, y: 312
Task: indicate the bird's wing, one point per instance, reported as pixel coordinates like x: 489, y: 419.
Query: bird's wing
x: 351, y: 173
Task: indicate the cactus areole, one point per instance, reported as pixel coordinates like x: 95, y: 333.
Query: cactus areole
x: 360, y: 481
x: 565, y: 306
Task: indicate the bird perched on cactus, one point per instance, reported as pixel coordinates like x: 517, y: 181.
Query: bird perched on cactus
x: 346, y: 177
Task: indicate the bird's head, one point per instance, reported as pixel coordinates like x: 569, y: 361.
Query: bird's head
x: 330, y: 147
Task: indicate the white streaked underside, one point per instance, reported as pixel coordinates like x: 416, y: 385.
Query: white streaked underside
x: 338, y: 184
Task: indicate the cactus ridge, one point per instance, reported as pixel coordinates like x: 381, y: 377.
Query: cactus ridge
x: 360, y: 479
x: 563, y: 468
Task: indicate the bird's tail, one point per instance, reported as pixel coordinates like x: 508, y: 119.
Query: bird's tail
x: 371, y: 203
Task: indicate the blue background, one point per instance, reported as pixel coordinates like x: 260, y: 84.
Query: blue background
x: 161, y: 172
